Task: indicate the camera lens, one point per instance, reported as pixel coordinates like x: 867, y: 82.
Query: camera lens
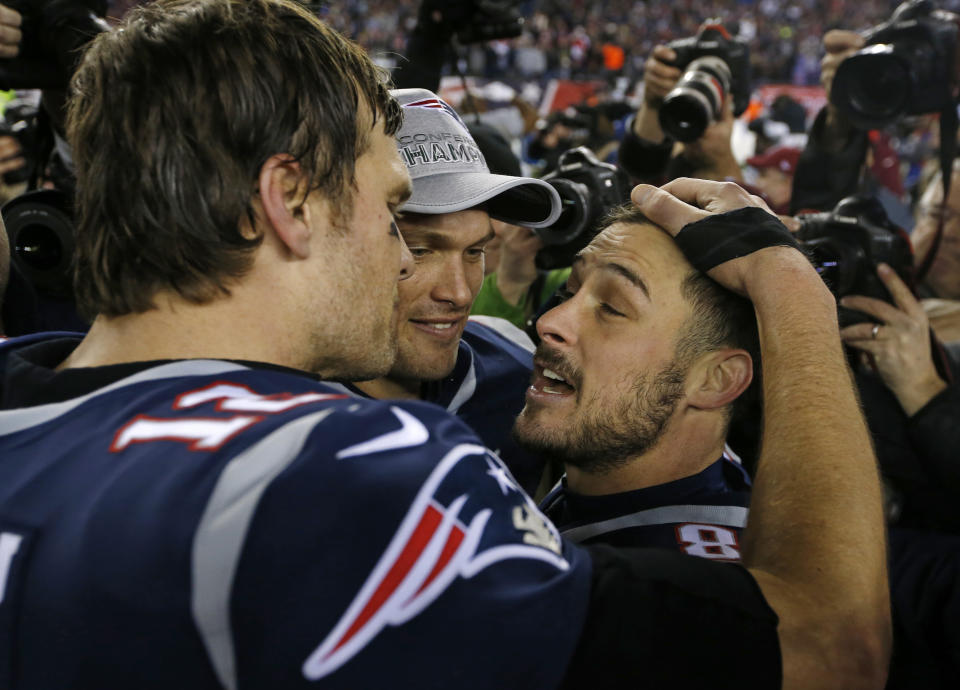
x: 872, y: 87
x: 39, y: 247
x: 685, y: 117
x: 696, y: 100
x: 40, y: 227
x: 575, y: 203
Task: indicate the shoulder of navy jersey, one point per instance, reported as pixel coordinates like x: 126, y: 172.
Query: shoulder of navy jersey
x: 502, y: 333
x: 702, y: 515
x: 288, y: 532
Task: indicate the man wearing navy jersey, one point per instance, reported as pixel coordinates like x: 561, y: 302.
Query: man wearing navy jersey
x: 476, y: 368
x: 635, y: 380
x: 183, y: 506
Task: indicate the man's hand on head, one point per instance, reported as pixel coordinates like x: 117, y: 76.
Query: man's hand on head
x: 684, y: 201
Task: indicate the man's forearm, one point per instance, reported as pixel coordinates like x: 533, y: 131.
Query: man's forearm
x: 815, y: 517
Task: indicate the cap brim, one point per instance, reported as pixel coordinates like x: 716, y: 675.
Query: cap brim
x: 515, y: 200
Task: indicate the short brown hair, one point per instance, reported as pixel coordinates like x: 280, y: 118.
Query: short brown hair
x: 172, y: 116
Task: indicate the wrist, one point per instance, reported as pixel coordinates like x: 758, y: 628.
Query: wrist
x: 775, y: 267
x: 646, y: 125
x: 913, y: 398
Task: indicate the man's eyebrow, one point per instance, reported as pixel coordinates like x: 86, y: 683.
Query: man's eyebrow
x: 629, y: 275
x: 486, y: 238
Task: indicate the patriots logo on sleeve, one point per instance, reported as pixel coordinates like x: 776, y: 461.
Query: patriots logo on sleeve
x: 440, y: 539
x: 436, y: 104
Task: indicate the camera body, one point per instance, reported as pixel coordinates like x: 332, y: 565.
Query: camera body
x: 846, y: 244
x: 490, y: 20
x: 20, y: 121
x: 41, y: 231
x: 716, y: 66
x: 588, y: 189
x: 908, y: 67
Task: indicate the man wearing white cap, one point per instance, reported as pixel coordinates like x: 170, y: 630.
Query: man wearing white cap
x: 479, y: 368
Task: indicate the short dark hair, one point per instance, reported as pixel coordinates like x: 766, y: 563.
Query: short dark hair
x: 172, y: 116
x: 720, y: 318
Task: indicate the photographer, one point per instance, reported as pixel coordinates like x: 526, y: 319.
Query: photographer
x: 37, y: 162
x: 648, y: 154
x: 904, y: 375
x: 841, y: 159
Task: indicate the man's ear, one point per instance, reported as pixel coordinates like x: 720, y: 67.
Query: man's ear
x: 282, y: 196
x: 718, y: 378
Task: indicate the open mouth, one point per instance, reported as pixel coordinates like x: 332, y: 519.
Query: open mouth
x: 549, y: 382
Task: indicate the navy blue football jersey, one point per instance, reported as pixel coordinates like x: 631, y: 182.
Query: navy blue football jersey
x: 487, y: 390
x: 207, y: 524
x: 701, y: 515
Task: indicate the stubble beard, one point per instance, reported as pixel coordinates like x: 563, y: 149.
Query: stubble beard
x: 606, y: 439
x: 365, y: 351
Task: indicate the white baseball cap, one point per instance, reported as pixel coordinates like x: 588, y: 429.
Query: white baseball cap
x: 449, y: 171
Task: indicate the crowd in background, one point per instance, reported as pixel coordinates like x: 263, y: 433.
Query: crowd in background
x: 566, y: 38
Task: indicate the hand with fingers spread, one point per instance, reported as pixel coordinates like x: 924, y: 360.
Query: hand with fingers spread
x: 10, y: 35
x: 899, y: 345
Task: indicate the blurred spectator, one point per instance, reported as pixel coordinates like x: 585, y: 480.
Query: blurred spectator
x: 568, y: 37
x: 841, y: 160
x: 774, y: 179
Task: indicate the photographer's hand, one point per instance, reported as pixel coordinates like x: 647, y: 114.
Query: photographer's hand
x: 11, y: 155
x: 838, y: 45
x: 900, y: 346
x: 659, y: 78
x: 10, y: 36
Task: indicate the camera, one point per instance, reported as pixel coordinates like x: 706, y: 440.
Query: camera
x: 489, y: 20
x: 846, y: 244
x: 20, y: 121
x: 474, y: 21
x: 41, y: 232
x: 716, y: 66
x: 588, y: 189
x: 54, y: 34
x: 907, y: 68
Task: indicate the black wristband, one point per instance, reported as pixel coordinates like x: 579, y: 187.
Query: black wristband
x: 712, y: 241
